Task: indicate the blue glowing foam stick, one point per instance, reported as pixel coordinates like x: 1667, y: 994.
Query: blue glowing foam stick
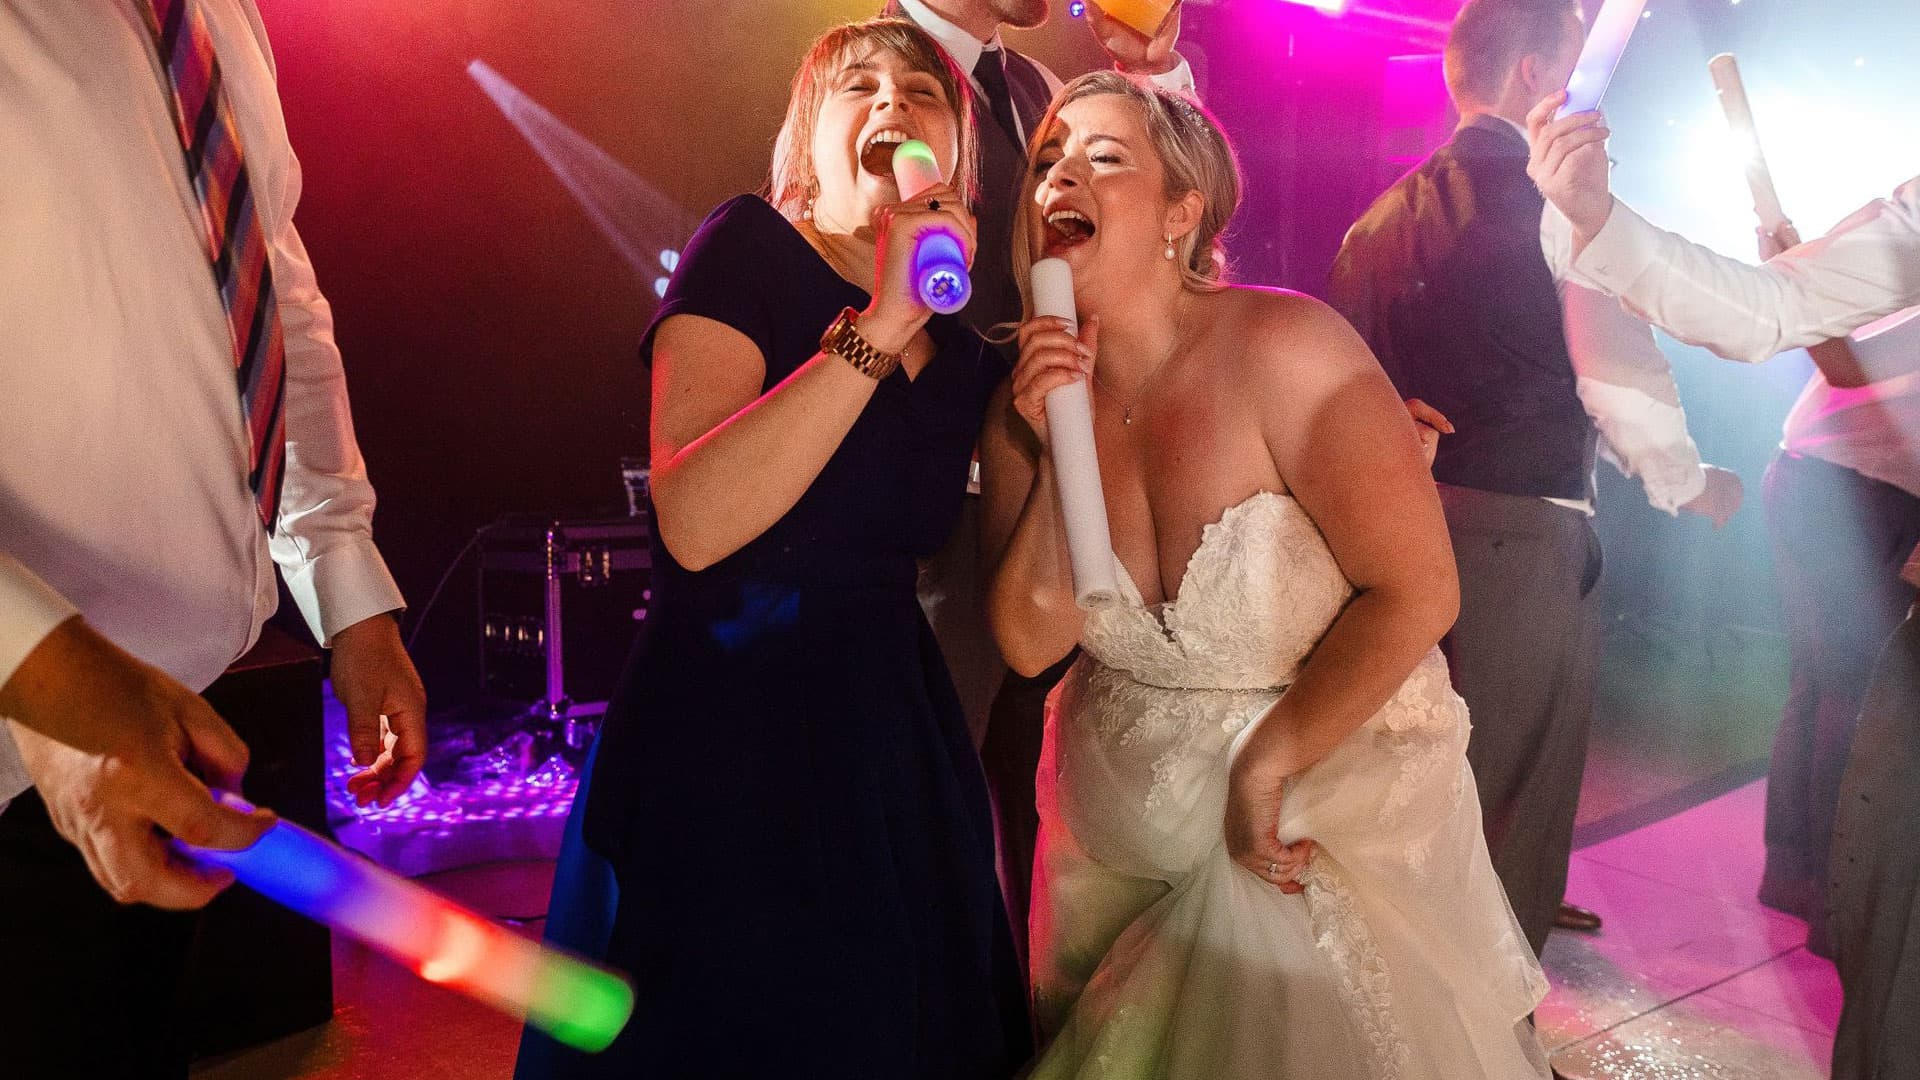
x: 939, y: 262
x: 577, y: 1003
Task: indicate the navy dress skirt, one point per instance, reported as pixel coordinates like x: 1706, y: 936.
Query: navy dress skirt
x: 785, y: 785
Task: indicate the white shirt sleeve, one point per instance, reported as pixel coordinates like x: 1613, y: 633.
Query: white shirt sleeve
x: 29, y: 610
x: 324, y: 543
x: 1866, y: 267
x: 13, y: 773
x: 324, y: 540
x: 1625, y: 382
x: 1179, y: 80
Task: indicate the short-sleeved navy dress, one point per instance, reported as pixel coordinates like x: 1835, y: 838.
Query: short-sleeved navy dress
x: 785, y: 784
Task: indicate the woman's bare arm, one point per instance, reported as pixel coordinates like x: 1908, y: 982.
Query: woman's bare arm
x: 728, y: 462
x: 1343, y: 441
x: 1023, y: 547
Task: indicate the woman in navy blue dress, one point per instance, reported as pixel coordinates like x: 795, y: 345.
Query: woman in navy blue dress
x: 785, y: 785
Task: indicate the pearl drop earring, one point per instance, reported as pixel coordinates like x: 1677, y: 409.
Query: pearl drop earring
x: 1169, y: 252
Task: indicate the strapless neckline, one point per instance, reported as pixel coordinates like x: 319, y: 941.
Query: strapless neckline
x: 1130, y: 589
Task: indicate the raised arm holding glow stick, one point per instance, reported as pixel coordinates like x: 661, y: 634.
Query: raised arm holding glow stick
x: 1839, y: 362
x: 1076, y: 461
x: 1733, y: 99
x: 577, y: 1003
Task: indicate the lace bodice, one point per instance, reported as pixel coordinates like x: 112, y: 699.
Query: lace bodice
x: 1258, y: 594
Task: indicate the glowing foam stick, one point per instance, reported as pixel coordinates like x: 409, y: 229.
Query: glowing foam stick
x: 939, y: 262
x: 1146, y: 16
x: 1733, y: 99
x: 1606, y: 43
x: 1076, y: 462
x: 575, y: 1002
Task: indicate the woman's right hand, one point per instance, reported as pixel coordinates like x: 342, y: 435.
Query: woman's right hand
x: 896, y: 309
x: 1253, y: 820
x: 1050, y: 357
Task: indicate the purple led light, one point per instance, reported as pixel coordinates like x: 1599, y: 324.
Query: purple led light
x: 545, y: 794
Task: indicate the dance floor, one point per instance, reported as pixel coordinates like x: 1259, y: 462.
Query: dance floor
x: 1691, y: 977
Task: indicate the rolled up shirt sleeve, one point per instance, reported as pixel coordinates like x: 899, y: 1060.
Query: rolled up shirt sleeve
x: 29, y: 610
x: 1866, y: 267
x: 1178, y: 79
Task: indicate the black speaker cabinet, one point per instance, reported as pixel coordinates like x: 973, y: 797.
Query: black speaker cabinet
x: 559, y: 606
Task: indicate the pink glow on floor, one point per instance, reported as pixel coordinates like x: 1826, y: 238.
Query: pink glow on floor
x: 1691, y: 976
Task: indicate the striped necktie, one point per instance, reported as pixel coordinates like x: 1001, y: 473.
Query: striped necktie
x: 236, y: 243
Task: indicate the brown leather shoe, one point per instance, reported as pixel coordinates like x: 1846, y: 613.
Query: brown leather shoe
x: 1570, y: 917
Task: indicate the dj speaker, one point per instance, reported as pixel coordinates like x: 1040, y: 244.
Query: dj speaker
x: 560, y: 603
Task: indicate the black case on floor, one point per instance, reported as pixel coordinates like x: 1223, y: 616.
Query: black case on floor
x: 559, y: 605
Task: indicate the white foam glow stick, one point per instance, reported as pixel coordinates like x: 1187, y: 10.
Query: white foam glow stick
x: 1733, y: 99
x: 1076, y: 462
x: 1606, y: 43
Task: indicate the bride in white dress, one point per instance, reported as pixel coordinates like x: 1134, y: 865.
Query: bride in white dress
x: 1261, y: 853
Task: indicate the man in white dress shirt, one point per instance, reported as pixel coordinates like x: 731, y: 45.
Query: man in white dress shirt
x: 136, y: 503
x: 1866, y: 267
x: 1459, y: 278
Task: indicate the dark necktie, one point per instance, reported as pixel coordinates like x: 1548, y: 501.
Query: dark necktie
x: 236, y: 243
x: 991, y: 72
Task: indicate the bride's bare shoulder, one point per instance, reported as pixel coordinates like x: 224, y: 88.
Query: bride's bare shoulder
x: 1285, y: 333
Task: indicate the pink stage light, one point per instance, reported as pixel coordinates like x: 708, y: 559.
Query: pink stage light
x: 1331, y: 7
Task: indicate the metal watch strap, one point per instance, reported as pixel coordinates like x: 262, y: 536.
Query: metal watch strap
x: 843, y: 340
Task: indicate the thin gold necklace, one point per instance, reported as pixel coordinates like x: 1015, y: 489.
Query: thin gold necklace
x: 1139, y: 397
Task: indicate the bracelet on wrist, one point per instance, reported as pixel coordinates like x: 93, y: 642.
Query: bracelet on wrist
x: 843, y: 340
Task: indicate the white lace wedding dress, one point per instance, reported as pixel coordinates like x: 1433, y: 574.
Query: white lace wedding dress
x: 1155, y: 955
